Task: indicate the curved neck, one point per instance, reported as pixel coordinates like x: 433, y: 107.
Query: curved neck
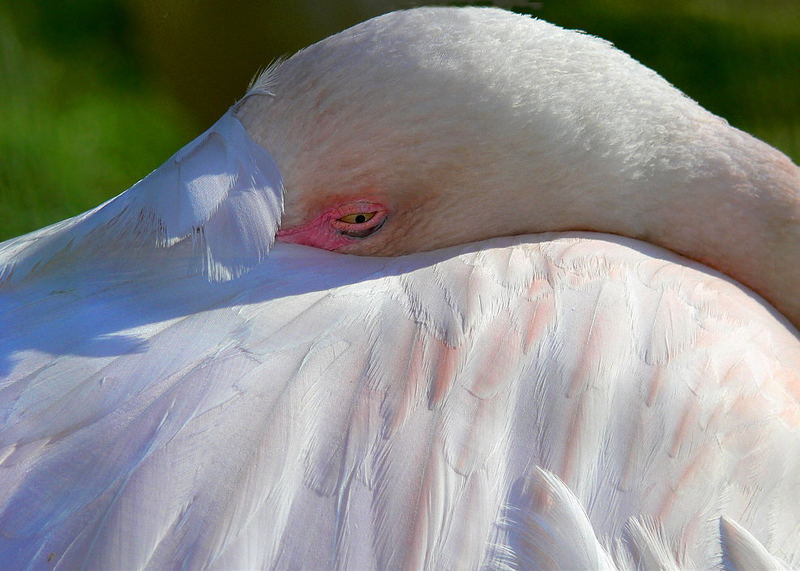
x: 641, y: 160
x: 739, y: 213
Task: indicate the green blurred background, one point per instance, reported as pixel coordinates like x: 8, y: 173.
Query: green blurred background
x: 96, y: 93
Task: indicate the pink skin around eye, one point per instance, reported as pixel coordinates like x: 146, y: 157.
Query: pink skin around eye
x: 326, y: 231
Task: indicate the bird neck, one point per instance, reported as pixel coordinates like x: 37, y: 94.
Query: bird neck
x: 738, y: 212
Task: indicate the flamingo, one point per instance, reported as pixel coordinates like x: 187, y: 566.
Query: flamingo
x: 454, y: 288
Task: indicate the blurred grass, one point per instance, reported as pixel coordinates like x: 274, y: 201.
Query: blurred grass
x: 96, y: 93
x: 738, y: 58
x: 77, y: 123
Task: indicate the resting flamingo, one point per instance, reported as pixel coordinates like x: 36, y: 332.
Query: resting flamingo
x: 567, y: 338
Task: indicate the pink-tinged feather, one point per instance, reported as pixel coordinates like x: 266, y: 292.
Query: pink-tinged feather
x: 446, y: 359
x: 380, y: 445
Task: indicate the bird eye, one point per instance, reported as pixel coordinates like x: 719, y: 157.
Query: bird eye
x: 360, y: 224
x: 357, y: 218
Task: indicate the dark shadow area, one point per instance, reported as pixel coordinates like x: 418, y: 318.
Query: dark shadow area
x: 87, y: 309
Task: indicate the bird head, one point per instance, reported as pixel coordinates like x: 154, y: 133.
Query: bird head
x: 431, y: 127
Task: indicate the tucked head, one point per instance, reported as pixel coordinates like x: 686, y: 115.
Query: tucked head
x: 445, y: 126
x: 436, y: 126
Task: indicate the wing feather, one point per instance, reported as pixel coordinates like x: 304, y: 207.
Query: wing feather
x: 473, y: 407
x: 222, y: 192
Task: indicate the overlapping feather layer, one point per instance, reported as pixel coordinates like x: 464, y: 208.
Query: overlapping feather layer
x: 580, y: 401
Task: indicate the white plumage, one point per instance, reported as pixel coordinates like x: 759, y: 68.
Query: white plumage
x: 553, y: 401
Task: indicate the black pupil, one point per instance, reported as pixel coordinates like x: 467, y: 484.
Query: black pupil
x: 360, y: 219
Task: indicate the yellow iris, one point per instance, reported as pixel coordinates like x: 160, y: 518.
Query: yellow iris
x: 357, y: 217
